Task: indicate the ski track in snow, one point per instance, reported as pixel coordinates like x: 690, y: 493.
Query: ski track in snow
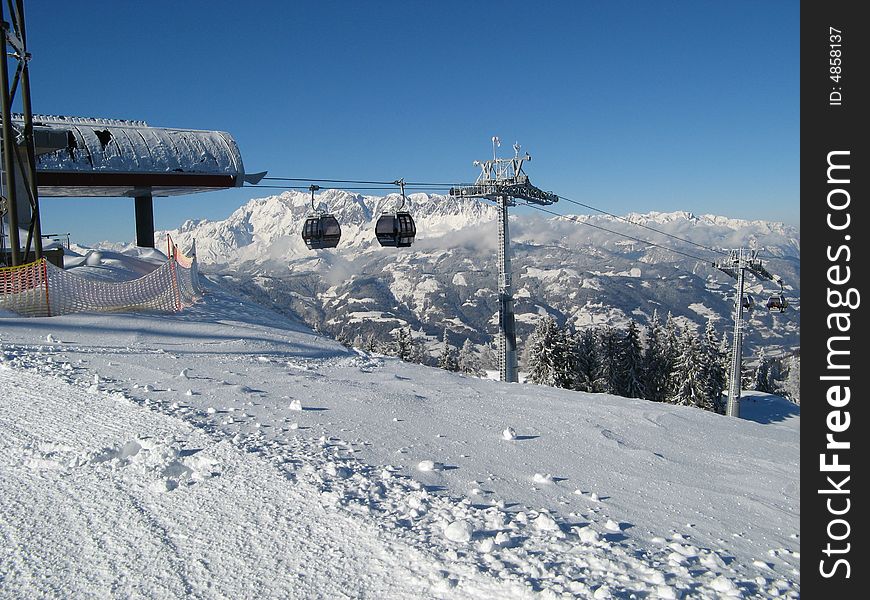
x: 88, y: 510
x: 114, y: 488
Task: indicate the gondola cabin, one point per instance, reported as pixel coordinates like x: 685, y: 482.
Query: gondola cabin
x: 748, y: 302
x: 321, y: 231
x: 777, y: 303
x: 396, y: 229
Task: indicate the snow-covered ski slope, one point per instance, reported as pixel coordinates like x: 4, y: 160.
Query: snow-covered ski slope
x: 227, y: 452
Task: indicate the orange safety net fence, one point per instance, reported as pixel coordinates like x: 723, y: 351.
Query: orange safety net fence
x: 40, y: 289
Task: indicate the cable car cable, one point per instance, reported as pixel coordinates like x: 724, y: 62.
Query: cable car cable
x: 436, y: 186
x: 670, y: 235
x: 343, y: 188
x: 409, y: 183
x: 576, y: 220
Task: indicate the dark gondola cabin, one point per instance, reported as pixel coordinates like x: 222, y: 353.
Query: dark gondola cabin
x: 777, y: 303
x: 396, y: 230
x: 748, y: 302
x: 321, y: 231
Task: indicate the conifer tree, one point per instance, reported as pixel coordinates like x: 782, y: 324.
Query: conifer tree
x: 630, y: 366
x: 344, y: 339
x: 567, y: 358
x: 371, y: 343
x: 747, y: 376
x: 791, y: 386
x: 714, y: 372
x: 416, y: 350
x: 585, y: 360
x: 672, y: 349
x: 775, y: 374
x: 687, y: 378
x: 488, y: 359
x: 656, y: 369
x: 545, y: 352
x: 608, y: 365
x: 468, y: 359
x: 761, y: 376
x: 402, y: 343
x: 448, y: 360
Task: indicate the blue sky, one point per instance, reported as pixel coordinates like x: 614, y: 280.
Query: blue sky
x: 628, y: 106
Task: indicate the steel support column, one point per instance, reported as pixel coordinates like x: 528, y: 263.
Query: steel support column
x: 506, y: 320
x: 734, y: 384
x: 29, y: 150
x: 8, y: 148
x: 502, y: 181
x: 144, y: 221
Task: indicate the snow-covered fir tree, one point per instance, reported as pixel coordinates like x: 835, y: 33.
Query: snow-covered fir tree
x: 775, y: 373
x: 672, y: 349
x: 545, y: 356
x: 366, y: 342
x: 488, y: 359
x: 402, y: 343
x: 468, y: 359
x: 608, y: 364
x: 714, y: 371
x: 761, y: 375
x: 688, y: 378
x: 791, y: 384
x: 447, y: 360
x: 630, y: 377
x: 585, y: 351
x: 656, y: 367
x: 417, y: 351
x: 566, y: 368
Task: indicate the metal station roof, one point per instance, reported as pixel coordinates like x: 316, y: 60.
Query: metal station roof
x: 112, y: 158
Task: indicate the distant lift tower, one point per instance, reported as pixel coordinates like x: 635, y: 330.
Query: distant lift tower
x: 502, y: 181
x: 736, y: 265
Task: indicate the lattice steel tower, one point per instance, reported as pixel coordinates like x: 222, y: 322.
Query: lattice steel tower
x: 503, y: 181
x: 18, y: 147
x: 736, y: 265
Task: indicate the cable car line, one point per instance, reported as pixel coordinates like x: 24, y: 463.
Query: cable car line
x: 647, y: 242
x: 327, y: 180
x: 438, y: 186
x: 397, y: 229
x: 305, y: 187
x: 670, y: 235
x: 345, y: 188
x: 409, y: 183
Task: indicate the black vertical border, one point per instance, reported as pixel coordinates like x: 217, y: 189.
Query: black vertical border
x: 826, y: 128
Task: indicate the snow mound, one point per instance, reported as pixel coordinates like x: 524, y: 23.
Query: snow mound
x: 544, y: 522
x: 544, y: 478
x: 612, y: 525
x: 459, y: 531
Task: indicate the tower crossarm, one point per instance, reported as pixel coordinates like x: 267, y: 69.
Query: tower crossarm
x: 730, y: 271
x: 757, y: 269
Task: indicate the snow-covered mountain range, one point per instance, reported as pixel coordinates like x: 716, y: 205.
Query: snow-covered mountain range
x: 585, y: 275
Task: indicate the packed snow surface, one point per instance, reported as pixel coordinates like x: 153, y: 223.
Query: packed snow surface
x: 227, y: 451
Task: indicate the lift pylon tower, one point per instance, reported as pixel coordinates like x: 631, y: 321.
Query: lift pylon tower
x: 15, y: 143
x: 736, y: 265
x: 503, y: 181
